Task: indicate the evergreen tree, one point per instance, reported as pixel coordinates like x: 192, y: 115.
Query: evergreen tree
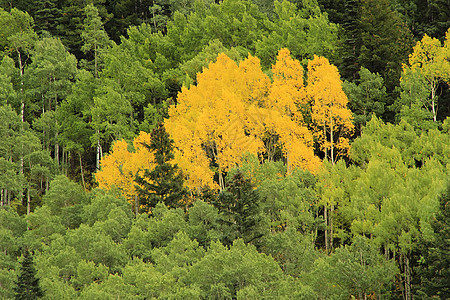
x: 47, y: 16
x: 239, y: 206
x: 163, y: 183
x: 27, y: 283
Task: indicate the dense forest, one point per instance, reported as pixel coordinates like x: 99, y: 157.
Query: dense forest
x: 229, y: 149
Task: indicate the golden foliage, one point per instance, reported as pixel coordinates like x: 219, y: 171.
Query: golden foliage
x: 432, y: 60
x: 332, y: 120
x: 232, y: 109
x: 121, y: 166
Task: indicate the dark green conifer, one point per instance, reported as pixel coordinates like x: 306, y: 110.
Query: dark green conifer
x: 28, y: 284
x: 163, y: 183
x: 239, y: 205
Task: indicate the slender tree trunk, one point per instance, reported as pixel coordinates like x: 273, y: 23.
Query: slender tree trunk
x: 331, y: 226
x: 1, y: 197
x: 221, y: 181
x: 331, y: 140
x: 288, y: 164
x: 325, y: 217
x: 325, y: 138
x: 97, y: 162
x: 28, y: 201
x: 407, y: 278
x: 95, y: 61
x: 22, y: 116
x: 433, y: 94
x: 136, y: 205
x: 81, y: 171
x: 67, y: 162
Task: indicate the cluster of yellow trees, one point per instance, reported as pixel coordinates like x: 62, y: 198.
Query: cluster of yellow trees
x: 235, y: 109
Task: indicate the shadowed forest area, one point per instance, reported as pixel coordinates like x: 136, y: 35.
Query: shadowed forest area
x: 229, y: 149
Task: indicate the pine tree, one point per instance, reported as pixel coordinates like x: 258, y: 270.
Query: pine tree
x: 163, y: 183
x: 239, y: 205
x: 27, y: 283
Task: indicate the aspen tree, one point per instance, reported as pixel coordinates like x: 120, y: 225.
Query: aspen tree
x: 332, y: 120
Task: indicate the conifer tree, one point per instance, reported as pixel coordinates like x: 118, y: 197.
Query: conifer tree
x: 27, y: 283
x: 239, y: 205
x: 164, y: 182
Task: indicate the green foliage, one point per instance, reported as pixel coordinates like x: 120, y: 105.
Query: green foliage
x: 293, y: 251
x: 385, y: 44
x: 27, y: 283
x: 367, y: 98
x: 433, y: 272
x: 164, y: 183
x: 353, y: 271
x: 65, y: 199
x: 413, y: 102
x: 240, y: 208
x: 304, y: 33
x: 204, y: 223
x: 93, y: 35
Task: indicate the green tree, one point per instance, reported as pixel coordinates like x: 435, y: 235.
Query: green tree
x: 240, y: 208
x: 304, y: 32
x: 164, y: 183
x: 366, y: 97
x: 27, y: 283
x: 46, y: 14
x: 65, y: 199
x: 413, y: 103
x: 50, y: 75
x: 93, y: 35
x: 385, y: 40
x: 74, y: 115
x: 433, y: 271
x: 431, y: 58
x: 17, y: 28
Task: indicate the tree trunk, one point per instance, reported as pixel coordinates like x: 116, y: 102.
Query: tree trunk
x: 331, y: 226
x: 28, y: 201
x: 325, y: 217
x: 407, y: 278
x: 22, y: 116
x: 136, y: 205
x: 221, y: 181
x: 1, y: 197
x: 81, y: 171
x: 325, y: 138
x: 97, y: 162
x: 331, y: 140
x: 95, y: 62
x: 288, y: 164
x: 433, y: 94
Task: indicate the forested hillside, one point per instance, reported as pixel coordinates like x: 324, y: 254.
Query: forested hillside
x: 229, y: 149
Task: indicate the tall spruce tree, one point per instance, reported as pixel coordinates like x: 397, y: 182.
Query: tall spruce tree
x: 239, y: 206
x: 163, y: 183
x: 28, y: 284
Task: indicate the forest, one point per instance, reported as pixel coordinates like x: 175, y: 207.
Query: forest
x: 235, y: 149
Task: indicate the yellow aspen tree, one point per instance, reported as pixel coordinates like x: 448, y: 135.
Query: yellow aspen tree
x: 432, y: 60
x: 287, y: 99
x: 233, y: 110
x: 212, y: 124
x: 121, y: 166
x: 331, y: 119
